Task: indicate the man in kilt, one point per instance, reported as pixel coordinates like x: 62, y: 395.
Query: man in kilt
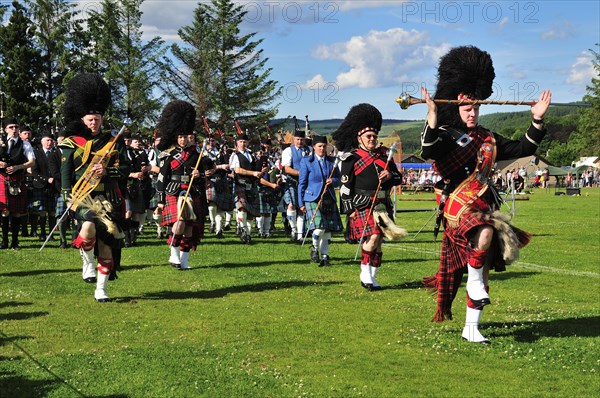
x: 319, y: 175
x: 100, y: 215
x: 138, y: 183
x: 182, y: 204
x: 477, y: 236
x: 245, y: 186
x: 43, y: 203
x: 219, y: 187
x: 269, y: 191
x: 16, y: 156
x: 365, y: 168
x: 291, y: 158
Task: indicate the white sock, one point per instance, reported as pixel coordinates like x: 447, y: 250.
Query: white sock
x: 324, y: 244
x: 259, y: 224
x: 218, y: 220
x: 300, y: 225
x: 316, y: 237
x: 228, y: 217
x: 212, y: 212
x: 291, y: 216
x: 266, y: 224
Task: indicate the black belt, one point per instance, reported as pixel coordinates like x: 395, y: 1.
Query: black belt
x: 181, y: 178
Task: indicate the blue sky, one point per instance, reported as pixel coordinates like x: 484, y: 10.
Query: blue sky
x: 331, y: 55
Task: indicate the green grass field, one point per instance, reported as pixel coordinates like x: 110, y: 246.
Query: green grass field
x: 262, y: 321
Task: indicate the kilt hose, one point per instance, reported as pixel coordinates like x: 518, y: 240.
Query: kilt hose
x: 327, y: 216
x: 247, y: 199
x: 220, y: 193
x: 15, y: 204
x: 454, y: 256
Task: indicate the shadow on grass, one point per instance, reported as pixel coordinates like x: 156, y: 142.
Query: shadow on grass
x: 18, y: 316
x: 529, y: 332
x: 209, y: 294
x: 410, y: 260
x: 502, y: 276
x: 41, y: 272
x: 250, y: 264
x: 13, y: 304
x: 17, y: 386
x: 406, y: 285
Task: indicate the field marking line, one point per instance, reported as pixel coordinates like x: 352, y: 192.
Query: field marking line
x: 516, y: 264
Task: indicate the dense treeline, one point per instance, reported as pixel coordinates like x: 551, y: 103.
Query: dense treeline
x: 46, y: 42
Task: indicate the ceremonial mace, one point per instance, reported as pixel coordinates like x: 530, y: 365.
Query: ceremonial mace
x: 391, y: 152
x: 89, y: 180
x: 335, y: 165
x: 405, y: 100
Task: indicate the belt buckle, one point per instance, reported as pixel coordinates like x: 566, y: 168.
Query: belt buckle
x: 464, y: 140
x: 185, y: 178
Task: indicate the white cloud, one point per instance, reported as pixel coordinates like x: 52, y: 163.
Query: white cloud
x: 582, y: 71
x: 559, y: 32
x: 382, y: 57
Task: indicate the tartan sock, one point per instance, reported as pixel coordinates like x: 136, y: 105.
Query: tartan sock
x: 477, y: 258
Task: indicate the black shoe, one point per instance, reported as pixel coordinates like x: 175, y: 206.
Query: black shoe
x: 219, y: 235
x: 14, y: 245
x: 324, y: 262
x: 293, y: 239
x: 103, y: 300
x: 227, y: 227
x: 90, y: 279
x: 3, y: 245
x: 314, y: 255
x: 368, y: 286
x: 63, y: 245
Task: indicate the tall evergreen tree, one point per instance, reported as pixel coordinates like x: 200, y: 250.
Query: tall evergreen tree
x: 139, y: 70
x: 19, y: 70
x: 227, y: 73
x: 53, y: 20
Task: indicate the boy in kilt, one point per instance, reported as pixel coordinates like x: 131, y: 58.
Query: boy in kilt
x: 180, y: 166
x: 219, y: 187
x: 101, y: 214
x: 365, y: 167
x: 245, y: 186
x: 477, y: 237
x: 16, y: 156
x: 319, y: 175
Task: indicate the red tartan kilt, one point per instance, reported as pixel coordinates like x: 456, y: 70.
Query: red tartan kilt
x: 13, y: 203
x: 169, y: 212
x: 357, y: 225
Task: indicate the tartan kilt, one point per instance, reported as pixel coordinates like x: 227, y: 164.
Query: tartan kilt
x: 221, y: 197
x: 268, y: 199
x: 247, y: 200
x: 169, y: 212
x: 290, y: 193
x: 61, y: 205
x: 13, y: 203
x: 134, y: 198
x: 358, y: 223
x: 117, y: 215
x: 327, y: 217
x: 42, y: 200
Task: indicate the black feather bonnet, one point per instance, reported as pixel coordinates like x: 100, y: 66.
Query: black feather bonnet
x: 465, y: 71
x: 360, y: 117
x: 178, y: 118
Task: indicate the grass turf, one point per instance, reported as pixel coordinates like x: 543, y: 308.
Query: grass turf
x: 262, y: 321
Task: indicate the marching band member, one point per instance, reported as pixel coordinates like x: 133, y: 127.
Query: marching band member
x: 180, y: 167
x: 319, y: 175
x: 477, y: 237
x: 86, y: 99
x: 365, y: 167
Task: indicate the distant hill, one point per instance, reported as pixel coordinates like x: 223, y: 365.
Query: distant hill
x: 561, y: 121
